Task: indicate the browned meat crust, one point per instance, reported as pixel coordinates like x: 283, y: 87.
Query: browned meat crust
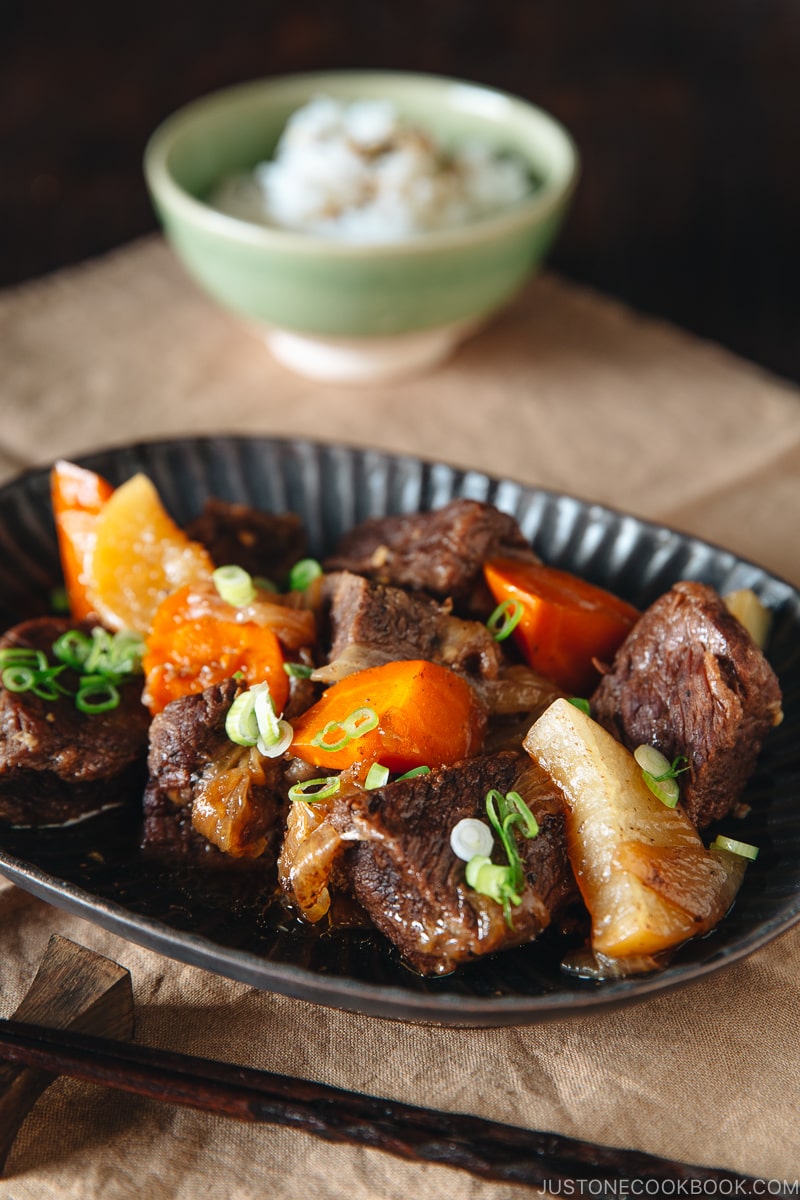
x: 404, y: 873
x: 440, y: 552
x: 187, y: 742
x: 690, y: 680
x: 389, y: 624
x: 57, y: 763
x: 267, y: 544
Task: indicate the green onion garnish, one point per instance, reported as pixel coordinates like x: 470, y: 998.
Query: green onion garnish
x: 96, y: 697
x: 494, y: 881
x: 296, y: 670
x: 251, y: 721
x: 73, y: 648
x: 322, y: 739
x: 235, y: 585
x: 504, y: 812
x: 19, y: 679
x: 661, y: 775
x: 470, y: 837
x: 101, y: 660
x: 241, y: 725
x: 413, y: 773
x: 580, y: 703
x: 504, y: 619
x: 338, y: 734
x: 315, y: 789
x: 303, y: 573
x: 743, y: 849
x: 377, y: 776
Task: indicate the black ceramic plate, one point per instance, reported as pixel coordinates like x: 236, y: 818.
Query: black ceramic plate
x: 94, y: 869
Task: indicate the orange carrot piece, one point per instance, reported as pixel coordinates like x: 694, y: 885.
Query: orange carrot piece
x: 187, y: 653
x: 427, y: 716
x: 565, y: 622
x: 78, y: 497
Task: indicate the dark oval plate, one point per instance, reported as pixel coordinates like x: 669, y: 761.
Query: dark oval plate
x: 94, y: 869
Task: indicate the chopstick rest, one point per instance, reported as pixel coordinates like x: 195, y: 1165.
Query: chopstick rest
x: 74, y: 989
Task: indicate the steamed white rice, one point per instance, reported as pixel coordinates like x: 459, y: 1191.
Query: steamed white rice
x: 357, y: 172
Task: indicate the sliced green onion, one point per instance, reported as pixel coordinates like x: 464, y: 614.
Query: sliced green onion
x: 377, y: 776
x: 489, y: 879
x: 234, y: 584
x: 280, y: 745
x: 102, y: 661
x: 660, y: 774
x: 266, y: 717
x: 413, y: 773
x: 474, y: 866
x: 504, y: 812
x: 21, y: 656
x: 325, y: 787
x: 296, y: 670
x: 651, y: 760
x: 470, y: 837
x: 321, y: 739
x: 504, y: 619
x: 360, y: 721
x: 47, y: 686
x: 666, y: 790
x: 19, y: 678
x: 743, y: 849
x: 303, y: 573
x: 241, y: 725
x: 354, y: 725
x: 275, y: 735
x: 73, y: 648
x: 580, y: 703
x: 99, y: 654
x: 127, y: 651
x: 251, y: 721
x: 97, y: 697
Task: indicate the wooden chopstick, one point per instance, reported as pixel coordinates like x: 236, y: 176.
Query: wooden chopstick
x: 485, y: 1148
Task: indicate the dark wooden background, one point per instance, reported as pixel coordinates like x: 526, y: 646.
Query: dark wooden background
x: 685, y: 112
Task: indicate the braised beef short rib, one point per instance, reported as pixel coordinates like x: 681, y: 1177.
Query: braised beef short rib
x: 690, y: 680
x: 267, y: 544
x: 192, y: 763
x: 440, y: 552
x: 57, y: 763
x: 402, y: 869
x: 371, y: 624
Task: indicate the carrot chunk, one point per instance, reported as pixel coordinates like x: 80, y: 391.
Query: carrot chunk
x: 78, y: 497
x: 403, y: 714
x: 565, y: 622
x: 192, y: 646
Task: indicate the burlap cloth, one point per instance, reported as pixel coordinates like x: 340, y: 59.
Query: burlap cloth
x: 567, y: 390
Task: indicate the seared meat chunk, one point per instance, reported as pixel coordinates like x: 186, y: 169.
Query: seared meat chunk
x: 56, y: 762
x: 403, y: 871
x: 267, y: 544
x: 689, y: 680
x: 206, y: 795
x: 372, y: 623
x: 440, y: 552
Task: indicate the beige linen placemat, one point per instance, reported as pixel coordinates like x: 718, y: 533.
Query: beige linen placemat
x: 566, y: 390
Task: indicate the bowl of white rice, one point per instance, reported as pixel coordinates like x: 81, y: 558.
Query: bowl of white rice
x: 363, y: 222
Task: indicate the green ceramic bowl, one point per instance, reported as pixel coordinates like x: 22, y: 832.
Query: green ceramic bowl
x: 342, y: 311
